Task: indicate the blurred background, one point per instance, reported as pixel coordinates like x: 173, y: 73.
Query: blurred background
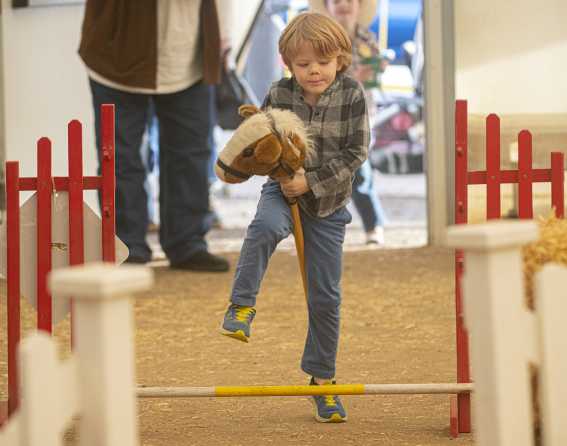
x: 504, y: 57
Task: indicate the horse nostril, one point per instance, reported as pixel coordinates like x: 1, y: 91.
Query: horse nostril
x: 248, y: 152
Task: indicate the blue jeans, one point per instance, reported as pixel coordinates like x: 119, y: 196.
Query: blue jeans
x: 365, y: 198
x: 323, y: 238
x: 184, y: 153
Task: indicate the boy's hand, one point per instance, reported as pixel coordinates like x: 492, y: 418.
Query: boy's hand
x: 296, y: 186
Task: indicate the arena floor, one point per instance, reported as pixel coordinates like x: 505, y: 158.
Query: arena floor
x: 397, y: 326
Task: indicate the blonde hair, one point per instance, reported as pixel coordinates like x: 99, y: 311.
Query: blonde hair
x: 328, y: 38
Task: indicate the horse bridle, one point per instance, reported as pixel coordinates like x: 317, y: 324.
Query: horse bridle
x: 280, y: 164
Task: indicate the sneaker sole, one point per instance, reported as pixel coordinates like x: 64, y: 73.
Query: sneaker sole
x: 238, y: 334
x: 335, y: 418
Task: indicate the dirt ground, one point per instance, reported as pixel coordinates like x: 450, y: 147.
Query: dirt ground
x: 397, y: 327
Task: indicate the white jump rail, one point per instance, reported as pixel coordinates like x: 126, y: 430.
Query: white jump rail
x: 98, y: 381
x: 506, y: 337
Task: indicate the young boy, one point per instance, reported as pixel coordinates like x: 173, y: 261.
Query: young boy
x: 317, y: 51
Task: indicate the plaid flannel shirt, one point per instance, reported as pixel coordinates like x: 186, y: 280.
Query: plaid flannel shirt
x: 338, y: 126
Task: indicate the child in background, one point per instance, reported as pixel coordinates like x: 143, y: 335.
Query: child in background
x: 367, y: 67
x: 317, y: 50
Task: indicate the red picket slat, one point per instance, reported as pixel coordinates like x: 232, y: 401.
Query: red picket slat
x: 44, y: 200
x: 108, y: 183
x: 13, y: 279
x: 76, y: 224
x: 557, y: 184
x: 493, y: 167
x: 463, y: 410
x: 76, y: 230
x: 525, y: 195
x: 461, y: 145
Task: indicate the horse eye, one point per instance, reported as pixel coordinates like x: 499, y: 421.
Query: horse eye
x: 248, y: 152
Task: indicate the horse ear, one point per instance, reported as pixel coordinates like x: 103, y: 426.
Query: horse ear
x: 295, y: 157
x: 268, y: 150
x: 248, y: 110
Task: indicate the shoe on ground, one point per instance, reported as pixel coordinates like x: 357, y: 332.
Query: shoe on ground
x: 136, y: 260
x: 203, y: 261
x: 328, y: 408
x: 375, y: 236
x: 237, y: 320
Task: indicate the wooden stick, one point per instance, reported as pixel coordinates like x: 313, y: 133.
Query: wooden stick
x: 299, y: 243
x: 337, y: 389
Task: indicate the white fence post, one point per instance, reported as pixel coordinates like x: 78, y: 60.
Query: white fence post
x: 551, y: 308
x: 500, y: 327
x: 50, y: 392
x: 104, y: 348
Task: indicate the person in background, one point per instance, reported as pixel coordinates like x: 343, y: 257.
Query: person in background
x: 158, y: 51
x: 367, y: 65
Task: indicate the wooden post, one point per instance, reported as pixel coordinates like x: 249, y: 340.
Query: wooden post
x: 43, y: 226
x: 525, y: 204
x: 108, y: 186
x: 460, y: 411
x: 104, y: 340
x: 551, y: 309
x: 496, y: 318
x: 13, y: 278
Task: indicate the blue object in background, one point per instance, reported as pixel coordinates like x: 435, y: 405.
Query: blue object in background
x: 403, y: 15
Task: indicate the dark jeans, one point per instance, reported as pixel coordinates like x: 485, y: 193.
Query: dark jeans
x: 184, y: 153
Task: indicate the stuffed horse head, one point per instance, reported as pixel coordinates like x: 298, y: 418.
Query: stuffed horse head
x: 272, y: 142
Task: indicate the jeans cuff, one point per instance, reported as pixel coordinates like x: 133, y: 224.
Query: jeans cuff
x: 317, y: 371
x: 243, y: 301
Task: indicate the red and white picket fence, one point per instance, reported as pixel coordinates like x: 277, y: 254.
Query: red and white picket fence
x: 493, y: 177
x: 98, y: 381
x: 508, y: 338
x: 45, y: 185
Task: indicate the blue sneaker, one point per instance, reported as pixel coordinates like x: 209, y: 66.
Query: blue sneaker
x: 237, y: 320
x: 328, y: 408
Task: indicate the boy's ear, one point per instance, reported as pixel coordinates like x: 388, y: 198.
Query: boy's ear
x: 248, y: 110
x: 268, y: 150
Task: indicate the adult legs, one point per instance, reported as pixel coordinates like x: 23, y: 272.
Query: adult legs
x: 184, y: 122
x: 131, y: 198
x: 365, y: 199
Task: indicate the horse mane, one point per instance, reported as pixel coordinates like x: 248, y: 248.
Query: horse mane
x: 257, y: 125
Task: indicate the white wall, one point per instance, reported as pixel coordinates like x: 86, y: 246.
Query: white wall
x: 511, y: 55
x: 45, y: 85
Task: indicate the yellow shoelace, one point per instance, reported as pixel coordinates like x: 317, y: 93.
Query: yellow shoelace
x: 243, y: 313
x: 330, y: 401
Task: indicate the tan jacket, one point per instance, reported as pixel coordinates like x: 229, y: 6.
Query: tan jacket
x: 119, y: 41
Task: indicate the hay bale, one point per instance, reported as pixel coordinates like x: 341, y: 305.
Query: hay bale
x: 550, y: 247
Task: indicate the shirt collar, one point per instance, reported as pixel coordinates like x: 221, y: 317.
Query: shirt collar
x: 298, y: 89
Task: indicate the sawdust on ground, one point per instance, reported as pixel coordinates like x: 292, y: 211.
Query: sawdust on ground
x: 397, y: 327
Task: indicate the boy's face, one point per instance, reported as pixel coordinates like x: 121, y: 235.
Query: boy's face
x: 313, y: 72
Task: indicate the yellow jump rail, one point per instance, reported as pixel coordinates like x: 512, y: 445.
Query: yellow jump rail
x: 337, y: 389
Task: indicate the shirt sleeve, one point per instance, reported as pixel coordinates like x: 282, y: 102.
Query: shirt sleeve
x: 324, y: 181
x: 225, y: 9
